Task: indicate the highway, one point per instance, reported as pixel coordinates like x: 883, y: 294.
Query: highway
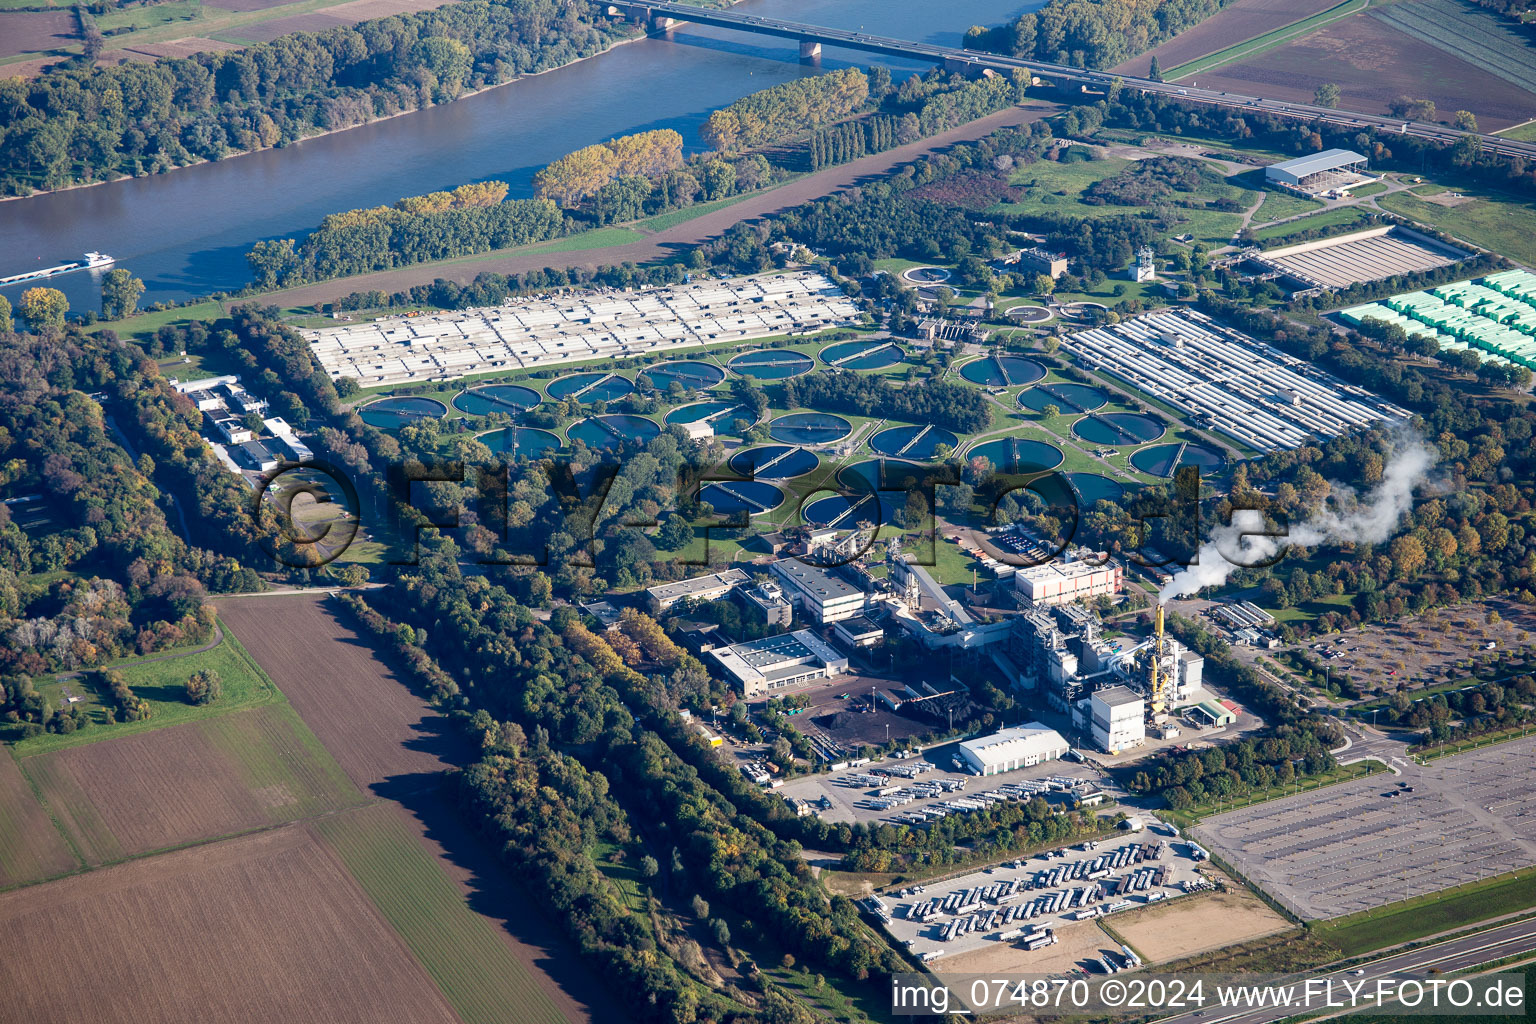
x: 1448, y: 956
x: 958, y: 58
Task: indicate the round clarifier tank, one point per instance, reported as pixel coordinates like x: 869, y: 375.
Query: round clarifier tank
x: 1164, y: 459
x: 809, y: 428
x: 913, y: 442
x: 692, y: 374
x: 1067, y: 397
x: 1017, y: 455
x: 771, y: 364
x: 1118, y: 428
x: 590, y: 387
x: 862, y: 355
x: 720, y: 414
x: 774, y: 462
x: 1002, y: 371
x: 394, y: 413
x: 731, y: 497
x: 520, y: 442
x: 507, y: 398
x: 1093, y: 487
x: 612, y: 430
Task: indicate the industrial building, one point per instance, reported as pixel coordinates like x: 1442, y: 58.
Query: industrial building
x: 1225, y: 380
x: 766, y: 602
x: 1036, y: 261
x: 1372, y: 255
x: 820, y: 593
x: 1319, y: 172
x: 1119, y: 717
x: 702, y: 588
x: 527, y: 333
x: 1017, y: 747
x: 761, y: 667
x: 1063, y: 582
x: 1493, y: 315
x: 858, y: 632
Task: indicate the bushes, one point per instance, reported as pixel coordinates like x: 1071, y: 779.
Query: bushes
x: 204, y: 687
x: 130, y: 706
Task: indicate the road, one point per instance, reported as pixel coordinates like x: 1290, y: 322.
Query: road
x: 957, y: 59
x: 1451, y: 955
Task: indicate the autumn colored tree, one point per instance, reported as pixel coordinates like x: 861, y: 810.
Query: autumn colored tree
x: 44, y: 307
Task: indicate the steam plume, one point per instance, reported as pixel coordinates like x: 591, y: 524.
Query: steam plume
x: 1347, y: 519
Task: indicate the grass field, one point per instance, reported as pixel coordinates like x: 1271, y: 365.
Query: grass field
x: 1520, y: 132
x: 162, y: 683
x: 1326, y: 219
x: 1277, y: 205
x: 1504, y: 223
x: 194, y: 782
x: 460, y: 950
x: 662, y: 221
x: 1430, y: 914
x: 1265, y: 42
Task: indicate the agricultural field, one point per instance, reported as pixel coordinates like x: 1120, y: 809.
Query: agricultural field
x: 23, y: 32
x: 1467, y: 33
x: 188, y: 783
x: 31, y: 849
x: 1373, y: 62
x: 1239, y: 22
x: 265, y: 927
x: 375, y: 727
x: 464, y: 952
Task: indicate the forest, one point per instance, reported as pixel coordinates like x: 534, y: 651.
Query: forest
x: 954, y: 406
x: 789, y: 108
x: 72, y: 124
x: 1092, y: 33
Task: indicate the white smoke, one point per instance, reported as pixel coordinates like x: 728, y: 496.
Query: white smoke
x: 1346, y: 519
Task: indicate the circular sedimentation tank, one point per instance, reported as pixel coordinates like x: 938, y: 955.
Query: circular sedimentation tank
x: 721, y: 414
x: 1002, y: 371
x: 774, y: 462
x: 771, y: 364
x: 507, y: 398
x: 913, y: 442
x: 1118, y: 428
x: 867, y: 496
x: 394, y: 413
x: 862, y: 355
x: 1017, y: 455
x: 612, y: 430
x: 925, y: 275
x: 520, y: 442
x: 590, y: 387
x: 809, y: 428
x: 1093, y: 487
x: 729, y: 497
x: 690, y: 373
x: 1028, y: 314
x: 1070, y: 398
x: 1163, y: 459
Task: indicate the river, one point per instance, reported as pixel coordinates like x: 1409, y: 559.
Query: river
x: 186, y: 232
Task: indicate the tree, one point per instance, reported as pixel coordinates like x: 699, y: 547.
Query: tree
x: 7, y: 322
x: 1155, y: 70
x: 1045, y: 284
x: 120, y: 293
x: 204, y: 687
x: 1466, y: 121
x: 648, y: 867
x: 44, y: 307
x: 1326, y: 95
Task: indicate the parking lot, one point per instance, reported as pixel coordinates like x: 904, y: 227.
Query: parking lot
x: 1350, y: 847
x: 852, y: 795
x: 1014, y: 902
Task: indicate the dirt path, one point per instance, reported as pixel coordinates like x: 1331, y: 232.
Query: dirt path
x: 674, y: 239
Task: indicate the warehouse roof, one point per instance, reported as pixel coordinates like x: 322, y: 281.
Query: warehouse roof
x: 1011, y: 744
x: 1327, y: 160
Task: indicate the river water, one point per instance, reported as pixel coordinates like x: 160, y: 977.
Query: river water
x: 185, y: 233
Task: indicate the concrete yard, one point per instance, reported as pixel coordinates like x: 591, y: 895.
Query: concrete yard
x: 850, y: 802
x: 1347, y: 847
x: 548, y: 331
x: 924, y: 936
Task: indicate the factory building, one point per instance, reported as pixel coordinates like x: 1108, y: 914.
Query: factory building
x: 766, y: 602
x: 1119, y: 718
x: 1016, y: 747
x: 760, y: 668
x: 1036, y: 261
x: 702, y: 588
x: 1318, y: 172
x: 1064, y: 582
x: 822, y: 595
